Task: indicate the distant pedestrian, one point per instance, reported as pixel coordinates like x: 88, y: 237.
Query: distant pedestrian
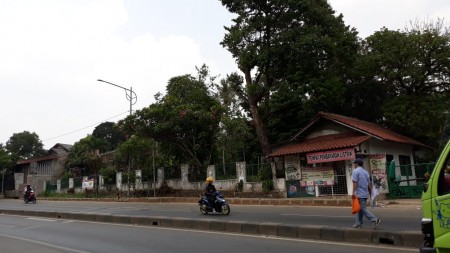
x: 361, y: 190
x: 374, y: 197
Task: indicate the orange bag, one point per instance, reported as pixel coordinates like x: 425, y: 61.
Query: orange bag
x: 355, y: 205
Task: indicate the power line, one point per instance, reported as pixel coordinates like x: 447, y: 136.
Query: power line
x: 96, y: 124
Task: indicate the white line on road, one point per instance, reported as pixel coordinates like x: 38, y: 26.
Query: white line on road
x: 39, y: 219
x: 314, y: 215
x: 44, y: 244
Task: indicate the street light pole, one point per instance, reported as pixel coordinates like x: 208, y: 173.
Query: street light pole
x: 130, y: 97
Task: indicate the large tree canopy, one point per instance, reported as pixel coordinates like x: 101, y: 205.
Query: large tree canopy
x: 83, y: 157
x: 24, y: 145
x: 110, y: 134
x: 300, y: 45
x: 185, y: 121
x: 408, y: 73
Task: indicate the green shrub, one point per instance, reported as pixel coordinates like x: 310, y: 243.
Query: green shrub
x: 267, y: 185
x: 240, y: 186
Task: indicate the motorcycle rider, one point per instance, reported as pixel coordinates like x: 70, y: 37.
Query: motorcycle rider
x: 28, y: 189
x: 210, y: 189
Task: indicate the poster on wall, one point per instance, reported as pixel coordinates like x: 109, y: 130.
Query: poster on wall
x: 313, y: 176
x: 378, y: 170
x: 294, y: 190
x: 292, y: 168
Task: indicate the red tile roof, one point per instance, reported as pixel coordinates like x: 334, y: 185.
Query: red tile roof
x: 324, y: 142
x: 365, y: 127
x: 364, y: 131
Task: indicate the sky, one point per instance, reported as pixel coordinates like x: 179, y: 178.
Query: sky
x: 52, y: 53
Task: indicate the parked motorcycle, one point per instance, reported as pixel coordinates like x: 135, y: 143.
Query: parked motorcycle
x: 31, y: 197
x: 220, y: 205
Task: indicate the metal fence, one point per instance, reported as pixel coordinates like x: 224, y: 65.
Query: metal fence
x: 406, y: 181
x: 172, y: 172
x: 253, y: 171
x: 225, y: 171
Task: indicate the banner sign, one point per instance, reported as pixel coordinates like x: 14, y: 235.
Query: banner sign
x: 87, y: 183
x: 331, y: 156
x: 292, y: 168
x: 378, y: 169
x: 377, y: 162
x: 317, y: 176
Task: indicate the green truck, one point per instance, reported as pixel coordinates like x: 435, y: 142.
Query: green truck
x: 436, y: 207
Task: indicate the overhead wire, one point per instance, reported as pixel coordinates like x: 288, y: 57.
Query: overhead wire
x: 96, y: 124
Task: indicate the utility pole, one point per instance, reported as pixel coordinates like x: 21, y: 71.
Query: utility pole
x: 130, y: 97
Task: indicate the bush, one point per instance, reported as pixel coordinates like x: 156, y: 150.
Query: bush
x: 267, y: 185
x: 265, y: 173
x: 240, y: 186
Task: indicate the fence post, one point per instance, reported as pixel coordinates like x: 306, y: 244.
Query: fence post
x: 138, y: 182
x: 58, y: 186
x: 241, y: 171
x: 184, y: 176
x: 119, y: 181
x: 101, y: 182
x: 160, y: 176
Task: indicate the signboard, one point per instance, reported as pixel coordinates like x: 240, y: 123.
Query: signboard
x: 378, y: 170
x: 317, y: 176
x: 331, y: 156
x: 377, y: 162
x: 87, y: 183
x: 292, y: 165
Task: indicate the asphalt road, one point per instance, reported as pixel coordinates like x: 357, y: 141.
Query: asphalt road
x: 39, y: 235
x: 405, y: 218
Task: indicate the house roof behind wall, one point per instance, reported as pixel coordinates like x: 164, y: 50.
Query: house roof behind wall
x: 57, y: 150
x: 363, y: 127
x: 324, y: 142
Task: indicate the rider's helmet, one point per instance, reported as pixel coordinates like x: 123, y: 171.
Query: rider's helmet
x: 209, y: 179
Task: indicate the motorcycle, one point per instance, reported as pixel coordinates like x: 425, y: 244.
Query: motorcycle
x: 31, y: 197
x: 220, y: 205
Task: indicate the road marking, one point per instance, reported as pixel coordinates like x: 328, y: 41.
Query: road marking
x: 44, y: 244
x: 314, y: 215
x: 176, y: 211
x: 6, y: 226
x: 39, y: 219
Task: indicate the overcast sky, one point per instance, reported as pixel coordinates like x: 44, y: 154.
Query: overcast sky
x: 52, y: 52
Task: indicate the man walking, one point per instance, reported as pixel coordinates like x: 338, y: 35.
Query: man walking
x: 361, y: 190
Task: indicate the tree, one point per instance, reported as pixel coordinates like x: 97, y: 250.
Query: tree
x: 235, y: 131
x: 110, y: 134
x: 5, y: 158
x: 24, y: 145
x: 411, y: 70
x: 301, y: 44
x: 82, y: 158
x: 137, y: 149
x: 184, y: 121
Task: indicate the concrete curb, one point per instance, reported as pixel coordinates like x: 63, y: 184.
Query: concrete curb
x: 411, y: 239
x: 340, y: 202
x: 231, y: 201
